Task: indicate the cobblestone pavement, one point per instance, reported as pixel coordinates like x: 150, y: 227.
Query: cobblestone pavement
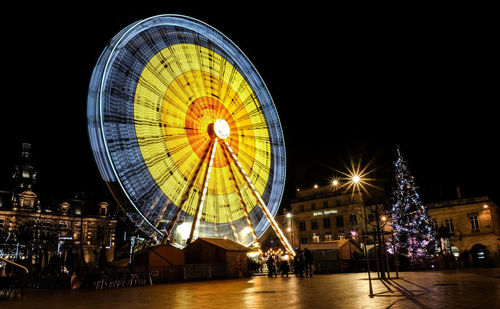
x: 472, y: 288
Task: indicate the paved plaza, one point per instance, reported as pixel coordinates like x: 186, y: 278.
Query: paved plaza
x: 472, y: 288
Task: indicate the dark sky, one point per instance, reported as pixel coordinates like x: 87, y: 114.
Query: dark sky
x: 348, y: 83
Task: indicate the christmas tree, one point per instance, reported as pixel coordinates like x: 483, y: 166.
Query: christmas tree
x: 413, y: 236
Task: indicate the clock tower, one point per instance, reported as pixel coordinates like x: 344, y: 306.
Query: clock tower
x: 24, y: 178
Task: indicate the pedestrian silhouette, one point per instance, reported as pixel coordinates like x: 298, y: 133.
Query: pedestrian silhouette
x: 284, y: 267
x: 271, y: 267
x: 298, y: 264
x: 309, y: 261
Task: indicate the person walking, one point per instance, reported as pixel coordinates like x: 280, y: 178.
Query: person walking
x: 271, y: 267
x: 309, y: 261
x: 284, y: 267
x: 298, y: 264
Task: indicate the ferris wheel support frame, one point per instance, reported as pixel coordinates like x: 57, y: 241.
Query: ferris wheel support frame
x: 199, y: 210
x: 243, y: 206
x: 173, y: 221
x: 260, y: 201
x: 262, y: 204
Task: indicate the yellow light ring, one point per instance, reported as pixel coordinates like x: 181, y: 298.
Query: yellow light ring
x: 183, y: 100
x: 142, y: 76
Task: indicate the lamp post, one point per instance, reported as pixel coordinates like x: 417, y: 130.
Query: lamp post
x: 355, y: 180
x: 379, y: 249
x: 289, y: 217
x: 384, y: 220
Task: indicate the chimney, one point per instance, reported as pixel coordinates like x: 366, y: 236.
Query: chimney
x: 459, y: 192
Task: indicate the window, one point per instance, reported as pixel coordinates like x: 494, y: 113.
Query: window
x: 325, y: 204
x: 314, y: 224
x: 339, y: 203
x: 455, y: 251
x: 435, y: 225
x: 302, y: 225
x: 303, y: 240
x: 328, y: 236
x: 449, y: 225
x: 301, y: 207
x: 474, y: 223
x: 340, y: 220
x: 315, y: 238
x: 313, y: 206
x: 353, y: 219
x: 326, y: 223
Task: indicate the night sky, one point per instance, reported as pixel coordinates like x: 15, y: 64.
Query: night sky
x: 348, y: 84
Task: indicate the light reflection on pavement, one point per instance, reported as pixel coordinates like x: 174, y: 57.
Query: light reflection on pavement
x: 471, y: 288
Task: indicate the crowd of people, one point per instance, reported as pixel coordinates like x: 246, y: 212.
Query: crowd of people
x: 303, y: 264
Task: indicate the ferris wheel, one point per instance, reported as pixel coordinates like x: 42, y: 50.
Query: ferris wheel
x: 186, y: 134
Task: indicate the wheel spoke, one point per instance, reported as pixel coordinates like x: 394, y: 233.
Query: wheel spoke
x: 262, y: 204
x: 173, y: 221
x: 199, y: 209
x: 243, y: 206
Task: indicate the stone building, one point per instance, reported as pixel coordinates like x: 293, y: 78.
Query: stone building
x: 37, y: 228
x: 322, y: 214
x: 470, y: 223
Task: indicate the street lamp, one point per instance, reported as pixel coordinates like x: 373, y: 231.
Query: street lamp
x: 356, y: 179
x: 289, y: 224
x: 335, y: 183
x: 356, y: 183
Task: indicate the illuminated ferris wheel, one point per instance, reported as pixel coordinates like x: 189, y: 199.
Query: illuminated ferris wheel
x: 185, y: 133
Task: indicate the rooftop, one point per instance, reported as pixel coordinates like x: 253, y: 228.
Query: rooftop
x: 225, y: 244
x: 461, y: 201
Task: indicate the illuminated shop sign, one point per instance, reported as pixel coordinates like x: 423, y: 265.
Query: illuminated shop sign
x: 326, y: 212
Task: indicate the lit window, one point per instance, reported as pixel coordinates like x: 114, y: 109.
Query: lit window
x: 455, y: 251
x: 474, y: 222
x: 328, y: 236
x: 315, y: 238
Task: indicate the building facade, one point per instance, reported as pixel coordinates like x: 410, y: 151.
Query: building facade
x: 467, y: 224
x: 323, y: 214
x: 36, y: 228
